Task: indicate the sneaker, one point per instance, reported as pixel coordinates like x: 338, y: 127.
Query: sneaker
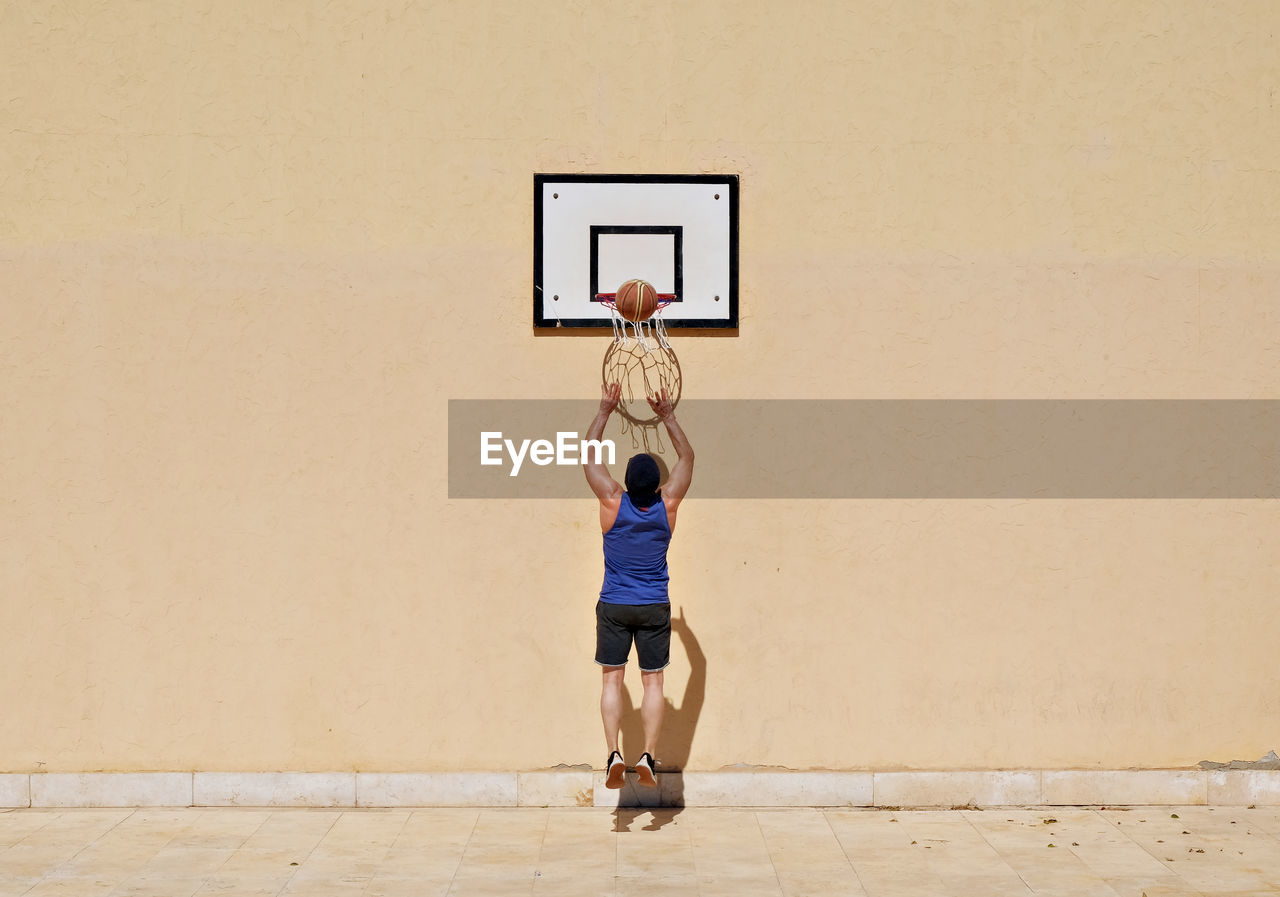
x: 617, y: 769
x: 644, y: 770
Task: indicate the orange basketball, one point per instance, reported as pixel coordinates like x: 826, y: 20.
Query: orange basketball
x: 637, y: 300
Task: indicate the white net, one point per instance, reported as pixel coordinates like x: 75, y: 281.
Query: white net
x: 641, y: 359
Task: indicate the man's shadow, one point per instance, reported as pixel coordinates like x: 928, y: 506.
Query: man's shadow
x: 675, y: 744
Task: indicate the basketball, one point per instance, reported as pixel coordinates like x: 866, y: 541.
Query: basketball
x: 637, y: 300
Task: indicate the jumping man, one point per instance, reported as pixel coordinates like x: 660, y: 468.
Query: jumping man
x: 637, y: 523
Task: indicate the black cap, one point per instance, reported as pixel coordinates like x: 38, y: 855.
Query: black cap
x: 643, y: 477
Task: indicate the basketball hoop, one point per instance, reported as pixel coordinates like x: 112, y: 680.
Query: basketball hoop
x: 610, y: 299
x: 641, y: 359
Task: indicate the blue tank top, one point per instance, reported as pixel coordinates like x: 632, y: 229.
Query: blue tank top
x: 635, y: 555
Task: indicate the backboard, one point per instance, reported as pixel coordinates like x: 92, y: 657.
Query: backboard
x: 592, y: 232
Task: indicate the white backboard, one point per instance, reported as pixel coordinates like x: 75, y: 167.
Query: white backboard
x: 592, y: 232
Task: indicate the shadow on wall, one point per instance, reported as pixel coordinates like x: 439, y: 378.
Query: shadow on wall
x: 679, y: 724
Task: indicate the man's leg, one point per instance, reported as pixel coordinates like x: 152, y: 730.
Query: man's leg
x: 611, y: 714
x: 651, y: 709
x: 653, y: 650
x: 611, y: 704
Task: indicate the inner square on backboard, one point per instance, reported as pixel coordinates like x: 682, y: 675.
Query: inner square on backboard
x: 648, y: 252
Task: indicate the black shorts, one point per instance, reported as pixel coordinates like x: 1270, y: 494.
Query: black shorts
x: 648, y: 624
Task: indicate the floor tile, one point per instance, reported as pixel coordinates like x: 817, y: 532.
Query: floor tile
x: 17, y: 884
x: 72, y: 887
x: 408, y: 887
x: 158, y: 887
x: 868, y: 829
x: 986, y: 886
x: 185, y: 862
x: 820, y: 884
x: 595, y: 852
x: 657, y: 886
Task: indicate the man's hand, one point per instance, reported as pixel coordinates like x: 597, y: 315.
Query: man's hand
x: 662, y: 405
x: 610, y: 394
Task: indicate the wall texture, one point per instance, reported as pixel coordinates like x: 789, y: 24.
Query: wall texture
x: 249, y: 251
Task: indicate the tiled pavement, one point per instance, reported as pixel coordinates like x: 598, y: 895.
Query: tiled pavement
x: 593, y: 851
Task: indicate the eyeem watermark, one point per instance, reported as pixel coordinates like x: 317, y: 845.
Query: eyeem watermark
x: 568, y: 450
x: 891, y: 449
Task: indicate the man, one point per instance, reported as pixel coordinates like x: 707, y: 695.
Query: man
x: 637, y: 522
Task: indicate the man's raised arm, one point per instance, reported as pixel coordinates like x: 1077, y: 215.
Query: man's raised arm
x: 682, y: 473
x: 606, y: 488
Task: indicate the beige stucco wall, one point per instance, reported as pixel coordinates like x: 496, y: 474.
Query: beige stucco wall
x: 248, y: 252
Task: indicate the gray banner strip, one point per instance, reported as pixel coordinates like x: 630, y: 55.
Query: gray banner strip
x: 994, y: 449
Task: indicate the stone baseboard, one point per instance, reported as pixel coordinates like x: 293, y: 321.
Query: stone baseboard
x: 15, y: 790
x: 585, y: 788
x: 134, y: 789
